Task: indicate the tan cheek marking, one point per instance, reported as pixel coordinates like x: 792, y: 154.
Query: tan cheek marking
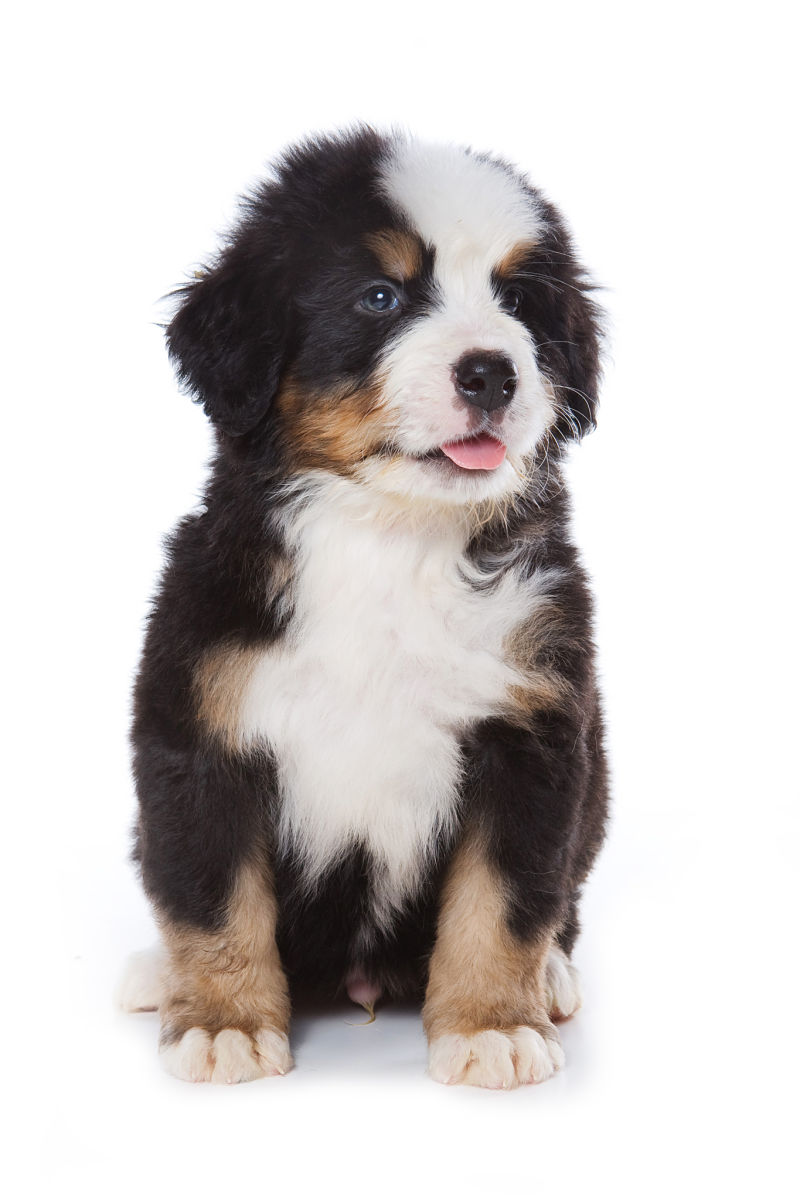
x: 511, y: 262
x: 399, y: 253
x: 221, y: 680
x: 334, y: 430
x: 231, y: 979
x: 481, y: 977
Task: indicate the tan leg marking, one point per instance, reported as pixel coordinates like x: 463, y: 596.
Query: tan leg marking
x: 486, y: 1008
x: 225, y: 1014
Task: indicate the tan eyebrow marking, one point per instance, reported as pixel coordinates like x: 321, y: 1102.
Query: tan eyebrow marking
x: 399, y: 253
x: 511, y: 262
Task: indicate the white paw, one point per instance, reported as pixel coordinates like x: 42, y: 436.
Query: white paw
x: 229, y: 1057
x: 562, y: 986
x: 492, y: 1059
x: 141, y: 988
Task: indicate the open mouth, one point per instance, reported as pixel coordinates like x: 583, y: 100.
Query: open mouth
x: 481, y: 452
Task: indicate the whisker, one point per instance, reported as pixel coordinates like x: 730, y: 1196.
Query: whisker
x: 557, y: 284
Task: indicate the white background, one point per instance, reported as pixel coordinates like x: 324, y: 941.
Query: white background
x: 665, y: 133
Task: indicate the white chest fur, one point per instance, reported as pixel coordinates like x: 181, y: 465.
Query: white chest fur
x: 390, y: 655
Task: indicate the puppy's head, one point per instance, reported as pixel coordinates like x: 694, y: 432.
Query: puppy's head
x: 410, y: 316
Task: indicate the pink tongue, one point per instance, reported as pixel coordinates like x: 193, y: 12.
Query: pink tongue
x: 481, y: 453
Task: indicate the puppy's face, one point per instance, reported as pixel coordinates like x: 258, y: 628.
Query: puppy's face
x: 409, y: 316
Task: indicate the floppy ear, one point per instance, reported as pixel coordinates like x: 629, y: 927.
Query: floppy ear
x: 581, y: 317
x: 227, y: 339
x: 569, y: 328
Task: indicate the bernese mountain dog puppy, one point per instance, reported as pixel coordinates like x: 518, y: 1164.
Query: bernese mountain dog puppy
x: 367, y: 742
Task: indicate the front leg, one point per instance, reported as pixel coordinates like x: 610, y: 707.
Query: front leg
x: 225, y: 1009
x: 486, y: 1007
x: 496, y: 975
x: 203, y: 846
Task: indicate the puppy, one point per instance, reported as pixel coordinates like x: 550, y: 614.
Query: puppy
x: 367, y: 742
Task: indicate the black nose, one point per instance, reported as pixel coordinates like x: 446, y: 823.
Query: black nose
x: 486, y: 378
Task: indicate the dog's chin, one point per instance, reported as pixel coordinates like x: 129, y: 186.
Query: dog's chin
x: 434, y: 479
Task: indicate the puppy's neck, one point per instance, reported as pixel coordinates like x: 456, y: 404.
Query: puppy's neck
x: 308, y: 496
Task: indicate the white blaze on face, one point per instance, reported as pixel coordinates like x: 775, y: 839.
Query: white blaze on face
x: 473, y: 213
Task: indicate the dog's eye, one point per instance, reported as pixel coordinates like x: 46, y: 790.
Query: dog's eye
x: 380, y: 299
x: 511, y: 301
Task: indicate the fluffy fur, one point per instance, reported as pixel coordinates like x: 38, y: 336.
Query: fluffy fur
x: 367, y: 740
